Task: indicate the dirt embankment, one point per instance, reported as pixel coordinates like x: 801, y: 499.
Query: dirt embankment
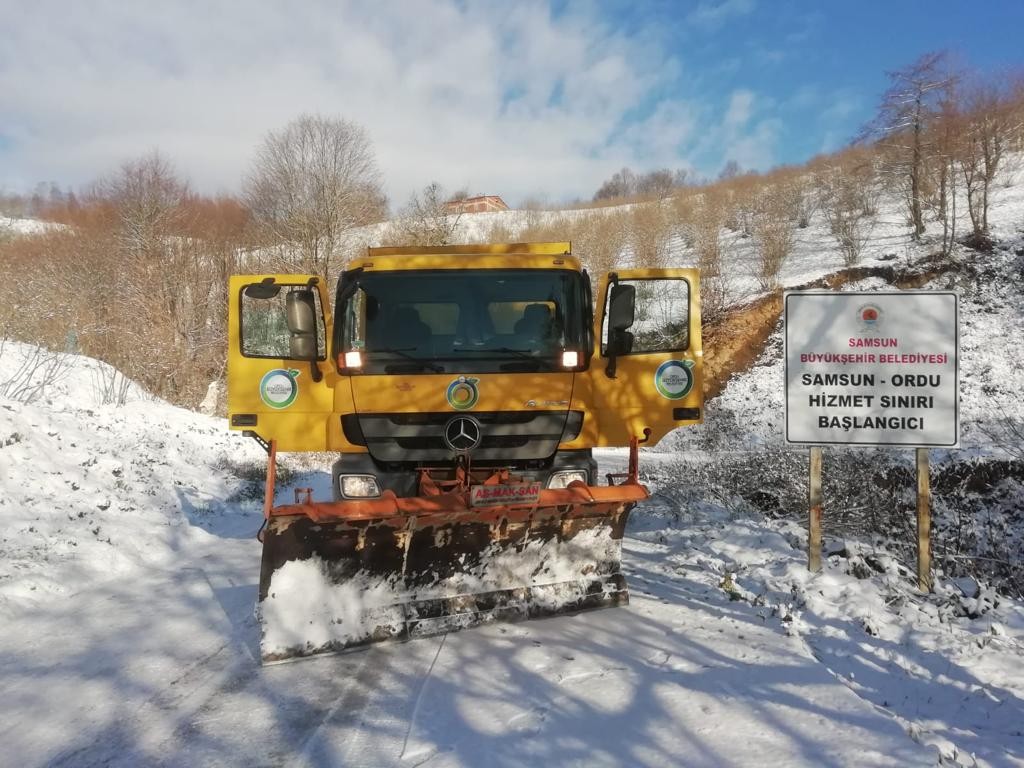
x: 732, y: 345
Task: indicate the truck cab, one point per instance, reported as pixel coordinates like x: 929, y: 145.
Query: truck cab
x: 489, y: 356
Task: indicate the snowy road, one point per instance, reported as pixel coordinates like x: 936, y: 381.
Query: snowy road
x: 162, y: 671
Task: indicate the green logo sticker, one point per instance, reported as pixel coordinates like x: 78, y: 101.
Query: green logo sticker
x: 279, y: 388
x: 674, y: 379
x: 462, y: 393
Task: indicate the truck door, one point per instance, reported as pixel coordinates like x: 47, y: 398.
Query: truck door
x: 280, y: 382
x: 646, y: 372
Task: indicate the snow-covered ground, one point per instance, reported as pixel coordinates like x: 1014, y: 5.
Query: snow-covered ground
x: 128, y: 573
x: 129, y: 576
x: 25, y: 226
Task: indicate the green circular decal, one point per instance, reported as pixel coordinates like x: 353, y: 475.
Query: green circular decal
x: 674, y: 379
x: 279, y: 388
x: 462, y: 393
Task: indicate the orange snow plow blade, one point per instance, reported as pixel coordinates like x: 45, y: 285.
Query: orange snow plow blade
x: 346, y: 574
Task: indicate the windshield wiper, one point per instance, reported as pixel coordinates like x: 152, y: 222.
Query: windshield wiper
x: 520, y: 353
x: 403, y: 353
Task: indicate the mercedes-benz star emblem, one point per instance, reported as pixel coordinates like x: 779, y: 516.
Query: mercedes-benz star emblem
x: 462, y: 434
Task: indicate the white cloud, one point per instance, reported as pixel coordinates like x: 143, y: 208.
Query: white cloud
x: 756, y: 149
x: 504, y: 99
x: 657, y: 140
x: 748, y: 132
x: 737, y: 114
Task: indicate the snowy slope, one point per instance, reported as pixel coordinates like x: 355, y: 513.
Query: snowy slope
x: 93, y: 491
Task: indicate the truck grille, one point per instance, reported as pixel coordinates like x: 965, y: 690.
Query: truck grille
x: 419, y: 437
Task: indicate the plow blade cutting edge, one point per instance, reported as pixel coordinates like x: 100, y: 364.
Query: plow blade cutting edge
x: 346, y: 574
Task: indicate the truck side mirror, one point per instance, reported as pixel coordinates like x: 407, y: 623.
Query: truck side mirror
x: 300, y: 314
x: 621, y: 314
x: 302, y: 347
x: 620, y: 343
x: 300, y: 310
x: 621, y: 307
x: 262, y: 290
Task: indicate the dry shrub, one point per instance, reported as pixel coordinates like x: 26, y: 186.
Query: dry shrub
x: 500, y: 232
x: 773, y: 237
x: 427, y: 219
x: 599, y: 240
x: 847, y: 195
x: 650, y: 233
x: 138, y: 281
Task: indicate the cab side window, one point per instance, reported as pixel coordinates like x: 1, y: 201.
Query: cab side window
x: 264, y: 323
x: 661, y: 317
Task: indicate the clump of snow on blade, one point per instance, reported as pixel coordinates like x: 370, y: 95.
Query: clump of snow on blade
x: 306, y: 610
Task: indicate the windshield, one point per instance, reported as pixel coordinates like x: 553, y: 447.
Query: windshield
x: 461, y: 320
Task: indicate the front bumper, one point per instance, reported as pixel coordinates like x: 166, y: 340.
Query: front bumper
x: 404, y: 483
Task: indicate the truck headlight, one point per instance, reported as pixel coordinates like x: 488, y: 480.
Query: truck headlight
x: 358, y: 486
x: 562, y: 479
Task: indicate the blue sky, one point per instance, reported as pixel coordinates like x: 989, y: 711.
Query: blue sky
x: 524, y: 99
x: 811, y: 73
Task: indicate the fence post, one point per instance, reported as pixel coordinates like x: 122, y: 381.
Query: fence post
x: 814, y: 512
x: 924, y: 523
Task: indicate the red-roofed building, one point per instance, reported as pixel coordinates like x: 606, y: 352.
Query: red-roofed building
x: 478, y: 204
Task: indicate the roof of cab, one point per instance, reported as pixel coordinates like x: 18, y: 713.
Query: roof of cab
x: 480, y: 256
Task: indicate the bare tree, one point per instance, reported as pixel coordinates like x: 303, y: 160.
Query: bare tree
x: 987, y: 125
x: 598, y: 239
x: 659, y: 183
x: 147, y: 195
x: 797, y: 191
x: 730, y: 170
x: 701, y: 218
x: 621, y: 184
x: 431, y: 217
x: 947, y: 140
x: 311, y: 183
x: 704, y: 232
x: 901, y: 126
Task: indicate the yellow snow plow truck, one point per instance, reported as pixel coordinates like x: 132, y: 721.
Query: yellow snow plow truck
x: 462, y: 389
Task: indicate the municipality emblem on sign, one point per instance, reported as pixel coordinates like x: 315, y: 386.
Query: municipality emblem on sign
x: 674, y: 379
x: 279, y: 388
x: 462, y: 393
x: 870, y: 318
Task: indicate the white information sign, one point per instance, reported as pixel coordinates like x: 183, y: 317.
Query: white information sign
x: 872, y: 368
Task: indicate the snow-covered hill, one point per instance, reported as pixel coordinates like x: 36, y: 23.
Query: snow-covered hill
x: 93, y: 491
